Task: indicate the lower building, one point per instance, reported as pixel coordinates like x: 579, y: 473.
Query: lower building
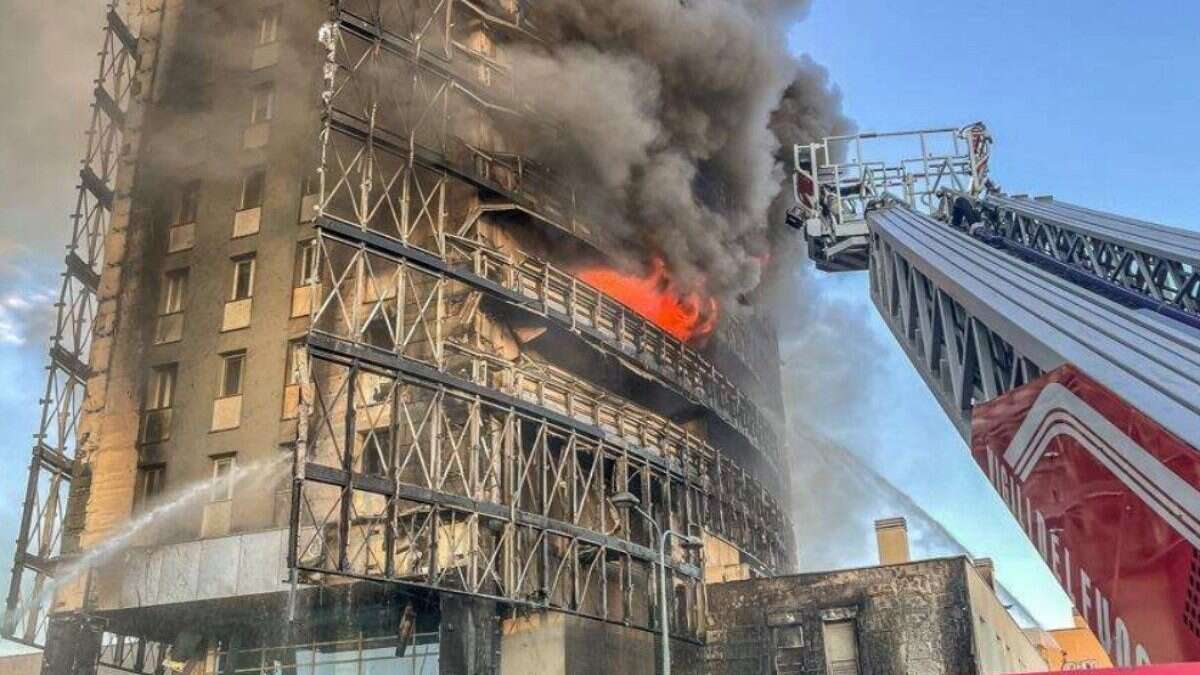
x: 1075, y: 648
x: 929, y: 617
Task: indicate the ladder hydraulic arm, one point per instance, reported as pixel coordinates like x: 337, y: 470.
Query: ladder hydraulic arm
x: 1064, y: 345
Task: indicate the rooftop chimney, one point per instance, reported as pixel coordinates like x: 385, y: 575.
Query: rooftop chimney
x: 891, y: 534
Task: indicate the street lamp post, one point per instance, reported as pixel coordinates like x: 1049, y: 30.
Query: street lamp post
x: 630, y: 501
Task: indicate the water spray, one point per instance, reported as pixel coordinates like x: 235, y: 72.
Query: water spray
x: 179, y: 503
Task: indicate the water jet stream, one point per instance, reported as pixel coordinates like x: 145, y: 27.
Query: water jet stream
x: 168, y: 511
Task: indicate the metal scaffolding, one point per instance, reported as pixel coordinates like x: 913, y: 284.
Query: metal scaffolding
x: 420, y: 440
x: 78, y: 348
x: 538, y: 287
x: 412, y: 122
x: 433, y: 451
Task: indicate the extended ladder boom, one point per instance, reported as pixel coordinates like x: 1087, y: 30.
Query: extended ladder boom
x: 1063, y: 343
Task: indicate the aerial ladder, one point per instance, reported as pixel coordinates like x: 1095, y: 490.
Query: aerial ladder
x: 1064, y: 345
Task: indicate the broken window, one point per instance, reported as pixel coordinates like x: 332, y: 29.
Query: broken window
x: 189, y: 203
x: 243, y: 278
x: 232, y: 366
x: 150, y: 484
x: 253, y: 185
x: 376, y: 452
x: 160, y: 395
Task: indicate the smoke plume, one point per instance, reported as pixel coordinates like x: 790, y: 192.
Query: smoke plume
x: 671, y: 117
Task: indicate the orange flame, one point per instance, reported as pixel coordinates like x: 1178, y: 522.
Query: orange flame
x: 687, y: 316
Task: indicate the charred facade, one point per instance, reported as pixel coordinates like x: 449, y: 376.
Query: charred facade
x: 314, y: 274
x: 918, y: 618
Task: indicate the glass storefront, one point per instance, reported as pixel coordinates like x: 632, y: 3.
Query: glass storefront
x: 359, y: 655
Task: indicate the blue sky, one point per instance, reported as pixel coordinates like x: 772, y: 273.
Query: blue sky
x: 1093, y: 102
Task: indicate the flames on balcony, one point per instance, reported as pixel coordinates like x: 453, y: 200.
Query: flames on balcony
x: 688, y: 316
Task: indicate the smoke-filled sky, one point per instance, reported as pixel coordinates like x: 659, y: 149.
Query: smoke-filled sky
x: 1094, y: 103
x: 664, y: 117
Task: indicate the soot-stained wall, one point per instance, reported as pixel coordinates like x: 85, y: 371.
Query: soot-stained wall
x: 909, y: 619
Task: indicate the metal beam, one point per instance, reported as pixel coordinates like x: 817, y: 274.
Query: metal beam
x: 330, y: 347
x: 380, y: 486
x: 1130, y: 261
x: 719, y: 394
x: 1004, y: 321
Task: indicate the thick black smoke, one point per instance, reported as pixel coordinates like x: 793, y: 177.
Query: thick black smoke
x: 672, y: 118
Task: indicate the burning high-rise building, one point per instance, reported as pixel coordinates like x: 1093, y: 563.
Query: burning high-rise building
x: 351, y: 362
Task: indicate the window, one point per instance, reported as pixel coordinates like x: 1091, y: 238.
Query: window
x: 268, y: 25
x: 161, y: 391
x: 263, y: 107
x: 306, y: 262
x: 174, y: 288
x: 788, y: 637
x: 221, y: 489
x: 232, y: 368
x: 297, y: 354
x: 841, y: 649
x: 150, y: 484
x: 189, y: 203
x: 243, y: 278
x: 160, y: 395
x: 252, y: 189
